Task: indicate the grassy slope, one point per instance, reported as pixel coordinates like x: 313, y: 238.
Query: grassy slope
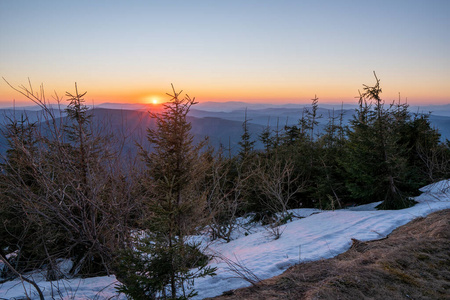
x: 412, y: 263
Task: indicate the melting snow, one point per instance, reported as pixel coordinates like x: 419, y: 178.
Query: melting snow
x: 316, y: 235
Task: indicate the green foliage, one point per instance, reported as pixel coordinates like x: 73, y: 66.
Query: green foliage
x: 175, y: 201
x: 146, y: 271
x: 385, y: 154
x: 380, y: 156
x: 63, y: 196
x: 329, y: 178
x: 246, y: 144
x: 266, y: 138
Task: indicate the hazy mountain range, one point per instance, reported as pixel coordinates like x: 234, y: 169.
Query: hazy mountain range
x: 221, y: 122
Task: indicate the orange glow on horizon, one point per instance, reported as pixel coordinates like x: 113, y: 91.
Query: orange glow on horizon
x: 301, y: 94
x: 152, y: 99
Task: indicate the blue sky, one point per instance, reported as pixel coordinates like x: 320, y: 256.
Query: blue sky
x: 265, y: 51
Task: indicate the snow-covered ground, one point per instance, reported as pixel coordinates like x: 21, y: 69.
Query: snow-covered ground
x: 318, y: 235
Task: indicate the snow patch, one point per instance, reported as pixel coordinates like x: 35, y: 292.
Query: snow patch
x: 311, y: 235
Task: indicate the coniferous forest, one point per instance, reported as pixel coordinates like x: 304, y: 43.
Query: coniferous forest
x: 67, y: 192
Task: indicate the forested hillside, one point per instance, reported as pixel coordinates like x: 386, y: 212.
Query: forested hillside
x: 82, y: 186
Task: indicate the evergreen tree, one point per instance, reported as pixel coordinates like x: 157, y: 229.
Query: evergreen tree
x: 291, y: 135
x: 426, y: 154
x: 300, y: 145
x: 246, y: 144
x: 17, y: 231
x: 376, y: 162
x: 79, y: 135
x: 312, y: 116
x: 176, y: 206
x: 266, y: 138
x: 330, y: 191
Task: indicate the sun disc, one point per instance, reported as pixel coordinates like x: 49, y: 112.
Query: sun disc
x: 151, y: 99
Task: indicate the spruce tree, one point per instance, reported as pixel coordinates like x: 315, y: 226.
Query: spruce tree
x: 376, y: 157
x: 330, y: 189
x: 176, y: 209
x: 312, y: 116
x: 246, y: 144
x: 266, y: 138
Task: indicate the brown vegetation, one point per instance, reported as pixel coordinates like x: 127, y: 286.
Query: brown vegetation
x: 69, y: 190
x: 412, y: 263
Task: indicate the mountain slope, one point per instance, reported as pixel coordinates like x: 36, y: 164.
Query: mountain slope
x: 313, y: 236
x: 130, y: 126
x: 222, y: 127
x: 413, y: 262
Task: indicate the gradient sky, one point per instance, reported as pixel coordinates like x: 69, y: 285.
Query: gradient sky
x: 260, y: 51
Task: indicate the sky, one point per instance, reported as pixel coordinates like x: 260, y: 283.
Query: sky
x: 255, y: 51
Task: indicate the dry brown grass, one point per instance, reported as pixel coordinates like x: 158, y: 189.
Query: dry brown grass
x: 412, y: 263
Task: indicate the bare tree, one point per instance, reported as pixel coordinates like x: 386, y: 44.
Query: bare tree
x: 225, y: 198
x: 277, y: 186
x: 436, y: 161
x: 69, y: 187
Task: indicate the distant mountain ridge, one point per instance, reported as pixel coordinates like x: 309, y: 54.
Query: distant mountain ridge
x: 223, y: 126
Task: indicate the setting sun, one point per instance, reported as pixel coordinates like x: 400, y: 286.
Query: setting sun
x: 151, y: 99
x: 224, y: 149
